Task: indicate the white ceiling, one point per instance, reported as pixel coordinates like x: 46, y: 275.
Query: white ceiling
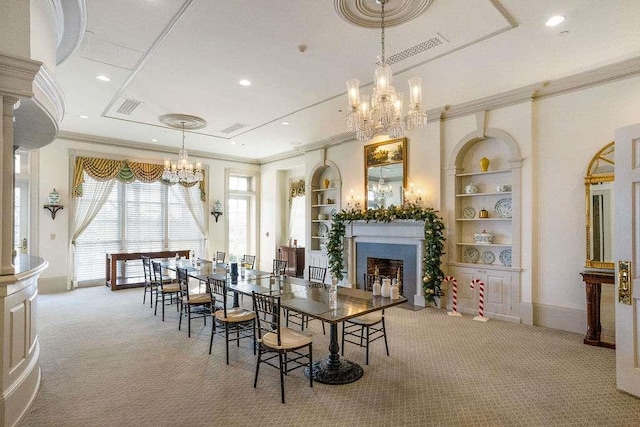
x: 186, y: 57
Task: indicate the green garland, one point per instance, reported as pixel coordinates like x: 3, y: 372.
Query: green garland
x: 433, y: 241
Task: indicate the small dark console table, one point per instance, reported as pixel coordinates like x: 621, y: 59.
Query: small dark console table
x: 593, y: 281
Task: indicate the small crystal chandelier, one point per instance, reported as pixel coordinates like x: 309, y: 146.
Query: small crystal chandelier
x: 381, y: 191
x: 384, y: 110
x: 182, y: 170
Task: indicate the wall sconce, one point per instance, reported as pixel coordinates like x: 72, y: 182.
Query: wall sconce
x: 54, y: 203
x: 353, y: 204
x: 412, y: 197
x: 217, y: 210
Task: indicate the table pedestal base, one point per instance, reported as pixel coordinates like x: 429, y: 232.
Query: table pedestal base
x: 346, y: 372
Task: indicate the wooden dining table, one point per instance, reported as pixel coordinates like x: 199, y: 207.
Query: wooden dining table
x: 307, y: 298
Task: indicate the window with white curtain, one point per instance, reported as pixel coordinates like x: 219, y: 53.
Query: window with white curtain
x: 136, y: 217
x: 296, y: 221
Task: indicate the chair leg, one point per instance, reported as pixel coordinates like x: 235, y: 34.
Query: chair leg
x: 342, y: 346
x: 155, y: 312
x: 281, y: 376
x: 253, y: 328
x: 384, y: 334
x: 213, y: 331
x: 226, y: 339
x: 367, y: 345
x: 255, y: 381
x: 311, y: 363
x: 189, y: 318
x: 163, y: 297
x: 144, y: 295
x: 323, y: 331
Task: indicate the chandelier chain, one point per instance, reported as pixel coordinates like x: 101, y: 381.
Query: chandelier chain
x: 382, y: 32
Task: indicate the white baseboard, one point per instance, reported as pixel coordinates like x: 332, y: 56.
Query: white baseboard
x: 565, y: 319
x: 52, y: 285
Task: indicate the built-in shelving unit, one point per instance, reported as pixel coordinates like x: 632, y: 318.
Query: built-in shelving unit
x: 472, y: 190
x: 324, y: 201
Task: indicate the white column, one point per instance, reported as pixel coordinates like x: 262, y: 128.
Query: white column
x: 7, y: 184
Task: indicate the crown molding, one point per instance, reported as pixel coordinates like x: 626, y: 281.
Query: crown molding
x: 17, y: 75
x: 115, y: 142
x: 541, y: 90
x: 51, y: 90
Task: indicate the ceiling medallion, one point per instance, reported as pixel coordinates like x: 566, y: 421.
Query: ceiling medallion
x: 182, y: 170
x: 366, y: 13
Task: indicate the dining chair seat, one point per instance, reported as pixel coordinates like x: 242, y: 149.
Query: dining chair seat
x: 197, y: 299
x: 289, y: 339
x: 173, y: 287
x: 367, y: 319
x: 235, y: 315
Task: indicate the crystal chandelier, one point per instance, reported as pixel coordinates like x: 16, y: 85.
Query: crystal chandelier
x: 384, y: 110
x: 381, y: 191
x: 182, y: 170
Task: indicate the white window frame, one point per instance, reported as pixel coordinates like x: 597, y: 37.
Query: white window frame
x: 253, y: 211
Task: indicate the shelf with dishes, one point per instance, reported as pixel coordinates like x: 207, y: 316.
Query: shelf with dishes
x: 489, y: 172
x: 474, y: 255
x: 497, y: 245
x: 495, y: 193
x: 483, y: 219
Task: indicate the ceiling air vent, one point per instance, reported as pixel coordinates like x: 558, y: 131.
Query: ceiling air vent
x: 233, y: 128
x: 128, y: 106
x: 434, y: 41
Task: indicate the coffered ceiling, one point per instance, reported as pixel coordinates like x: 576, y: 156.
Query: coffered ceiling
x: 187, y: 57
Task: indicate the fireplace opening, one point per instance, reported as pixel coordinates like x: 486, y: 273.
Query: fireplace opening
x: 391, y: 268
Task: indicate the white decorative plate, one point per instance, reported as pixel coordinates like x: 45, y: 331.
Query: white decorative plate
x: 323, y: 230
x: 505, y: 257
x: 488, y: 257
x: 471, y: 255
x: 503, y: 208
x: 468, y: 212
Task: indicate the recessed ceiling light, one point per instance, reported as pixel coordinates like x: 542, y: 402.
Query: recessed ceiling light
x: 554, y: 20
x: 233, y: 143
x: 154, y: 139
x: 103, y: 78
x: 83, y: 116
x: 244, y: 82
x: 286, y: 123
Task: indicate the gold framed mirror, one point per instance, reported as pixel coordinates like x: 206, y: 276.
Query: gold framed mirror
x: 385, y: 173
x: 599, y: 199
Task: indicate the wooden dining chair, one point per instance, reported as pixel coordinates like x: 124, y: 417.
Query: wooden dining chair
x: 282, y: 343
x: 192, y: 306
x: 220, y: 256
x: 316, y: 277
x: 279, y: 267
x: 249, y: 261
x: 149, y: 285
x: 363, y: 330
x: 238, y: 322
x: 164, y: 288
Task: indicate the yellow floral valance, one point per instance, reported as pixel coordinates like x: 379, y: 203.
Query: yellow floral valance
x: 122, y: 170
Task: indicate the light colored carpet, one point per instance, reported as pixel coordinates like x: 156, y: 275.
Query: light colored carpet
x: 106, y: 361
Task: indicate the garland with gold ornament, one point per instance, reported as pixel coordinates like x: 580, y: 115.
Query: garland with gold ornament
x: 433, y: 241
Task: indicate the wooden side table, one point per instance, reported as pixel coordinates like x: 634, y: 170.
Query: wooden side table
x: 593, y: 281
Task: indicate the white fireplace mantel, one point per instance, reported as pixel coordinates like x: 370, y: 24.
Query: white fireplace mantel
x: 400, y: 232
